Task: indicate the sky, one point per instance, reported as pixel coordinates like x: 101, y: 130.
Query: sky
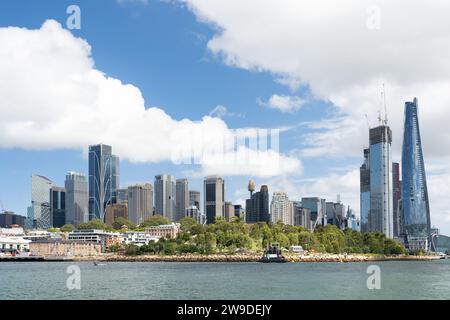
x: 154, y: 78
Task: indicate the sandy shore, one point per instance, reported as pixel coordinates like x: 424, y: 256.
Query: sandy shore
x: 315, y: 257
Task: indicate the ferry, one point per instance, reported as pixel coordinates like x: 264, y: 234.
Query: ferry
x: 273, y: 254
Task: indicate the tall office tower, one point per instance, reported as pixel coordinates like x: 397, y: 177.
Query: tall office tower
x: 39, y: 215
x: 229, y: 211
x: 214, y: 198
x: 317, y: 208
x: 114, y: 211
x: 281, y: 209
x: 76, y: 198
x: 396, y: 196
x: 416, y: 207
x: 336, y: 214
x: 103, y: 179
x: 165, y: 196
x: 257, y: 207
x: 194, y: 213
x: 122, y: 196
x: 58, y: 206
x: 380, y: 163
x: 239, y: 212
x: 302, y: 216
x: 364, y: 195
x: 194, y: 198
x: 140, y: 202
x: 182, y: 198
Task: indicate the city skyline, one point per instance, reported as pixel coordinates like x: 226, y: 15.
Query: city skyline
x: 318, y: 164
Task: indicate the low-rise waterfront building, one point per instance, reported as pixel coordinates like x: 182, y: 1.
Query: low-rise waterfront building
x: 138, y: 238
x: 105, y: 239
x: 13, y: 244
x: 165, y: 230
x: 65, y: 248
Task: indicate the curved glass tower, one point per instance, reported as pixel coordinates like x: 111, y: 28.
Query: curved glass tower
x: 416, y: 208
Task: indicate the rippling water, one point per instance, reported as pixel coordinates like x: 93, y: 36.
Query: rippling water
x: 121, y: 280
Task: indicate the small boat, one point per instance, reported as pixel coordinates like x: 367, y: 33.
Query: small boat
x: 273, y: 254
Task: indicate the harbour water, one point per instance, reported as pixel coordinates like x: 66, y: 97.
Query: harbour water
x: 231, y: 281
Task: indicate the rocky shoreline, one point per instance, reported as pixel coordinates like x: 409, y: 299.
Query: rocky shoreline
x: 342, y: 258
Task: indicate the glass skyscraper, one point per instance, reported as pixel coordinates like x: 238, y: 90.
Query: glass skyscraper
x: 416, y: 208
x: 214, y: 198
x: 376, y: 183
x: 103, y: 179
x: 165, y: 196
x: 39, y: 213
x: 364, y: 198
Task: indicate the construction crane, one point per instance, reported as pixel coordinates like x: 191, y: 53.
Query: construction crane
x: 367, y: 120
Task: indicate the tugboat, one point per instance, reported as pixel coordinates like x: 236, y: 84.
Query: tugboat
x: 273, y: 254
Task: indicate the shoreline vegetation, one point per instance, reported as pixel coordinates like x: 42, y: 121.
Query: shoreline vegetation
x: 237, y: 241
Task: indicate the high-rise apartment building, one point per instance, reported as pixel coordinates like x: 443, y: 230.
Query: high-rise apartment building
x: 76, y: 186
x: 140, y: 203
x: 214, y: 198
x: 104, y: 175
x: 415, y: 203
x: 281, y: 209
x: 164, y: 188
x: 182, y: 198
x: 229, y: 211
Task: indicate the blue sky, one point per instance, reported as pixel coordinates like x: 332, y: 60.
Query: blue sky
x: 178, y: 55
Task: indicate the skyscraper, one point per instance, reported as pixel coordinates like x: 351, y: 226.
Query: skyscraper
x: 397, y: 196
x: 316, y: 207
x: 182, y: 198
x: 380, y: 162
x: 194, y: 198
x: 58, y: 206
x: 214, y: 198
x: 140, y: 202
x: 103, y: 179
x: 364, y: 187
x: 415, y: 203
x: 76, y: 198
x: 39, y: 213
x: 165, y: 196
x: 281, y: 209
x: 302, y: 216
x: 257, y: 207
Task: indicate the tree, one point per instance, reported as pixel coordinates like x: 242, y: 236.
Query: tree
x: 187, y: 224
x: 67, y: 228
x: 121, y: 221
x: 155, y: 220
x: 94, y: 224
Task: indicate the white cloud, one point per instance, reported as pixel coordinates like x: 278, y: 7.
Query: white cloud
x: 222, y: 112
x: 329, y: 47
x: 52, y: 97
x: 282, y: 103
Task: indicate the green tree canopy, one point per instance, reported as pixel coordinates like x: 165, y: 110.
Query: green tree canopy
x: 155, y: 220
